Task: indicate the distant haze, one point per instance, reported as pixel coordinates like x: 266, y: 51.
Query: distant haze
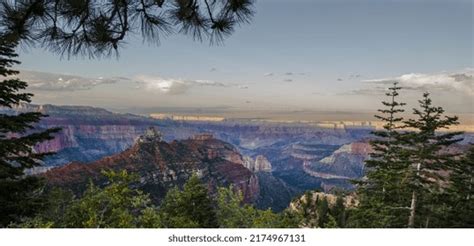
x: 297, y: 60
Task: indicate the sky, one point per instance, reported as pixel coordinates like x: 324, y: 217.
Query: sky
x: 331, y: 55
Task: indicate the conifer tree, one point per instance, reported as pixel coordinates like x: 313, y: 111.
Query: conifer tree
x: 98, y: 28
x: 380, y: 192
x: 117, y: 205
x: 331, y: 222
x: 338, y: 212
x: 191, y: 207
x: 19, y: 194
x: 322, y: 206
x: 461, y: 192
x: 426, y: 152
x: 231, y: 210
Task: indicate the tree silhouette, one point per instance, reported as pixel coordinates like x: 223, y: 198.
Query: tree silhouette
x: 99, y: 28
x: 18, y: 194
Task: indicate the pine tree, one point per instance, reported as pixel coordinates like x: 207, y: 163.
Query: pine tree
x: 380, y: 192
x: 426, y: 151
x: 338, y: 212
x: 308, y: 210
x: 117, y: 205
x: 19, y: 194
x: 331, y: 223
x: 458, y: 198
x: 322, y: 212
x: 96, y: 28
x: 231, y: 210
x: 191, y: 207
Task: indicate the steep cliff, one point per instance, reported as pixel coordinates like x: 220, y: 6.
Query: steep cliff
x: 260, y: 164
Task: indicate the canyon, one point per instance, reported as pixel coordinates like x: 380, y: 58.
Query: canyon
x: 276, y: 161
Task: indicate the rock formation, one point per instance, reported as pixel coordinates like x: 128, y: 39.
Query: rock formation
x: 161, y: 165
x: 260, y: 164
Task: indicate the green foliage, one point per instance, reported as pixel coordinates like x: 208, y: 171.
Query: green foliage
x: 460, y: 212
x: 189, y: 208
x: 20, y: 195
x: 404, y: 180
x: 338, y: 212
x: 98, y: 28
x: 114, y: 206
x: 266, y: 219
x: 382, y: 193
x: 315, y: 211
x: 427, y: 154
x: 117, y: 205
x: 331, y: 222
x: 322, y: 210
x: 231, y: 212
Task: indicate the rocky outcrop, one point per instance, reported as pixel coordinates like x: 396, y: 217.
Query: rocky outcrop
x: 349, y: 200
x: 161, y: 165
x: 260, y: 164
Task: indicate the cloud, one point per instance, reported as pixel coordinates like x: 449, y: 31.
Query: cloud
x: 462, y: 82
x: 213, y: 69
x: 174, y: 86
x: 339, y: 79
x: 286, y: 74
x: 354, y: 76
x: 294, y: 73
x: 287, y: 80
x: 63, y: 82
x: 166, y: 86
x: 365, y: 92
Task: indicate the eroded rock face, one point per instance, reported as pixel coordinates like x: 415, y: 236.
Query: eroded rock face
x: 161, y: 165
x: 347, y: 162
x: 350, y: 201
x: 260, y: 164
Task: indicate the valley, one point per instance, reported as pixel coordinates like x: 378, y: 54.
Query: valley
x: 271, y: 162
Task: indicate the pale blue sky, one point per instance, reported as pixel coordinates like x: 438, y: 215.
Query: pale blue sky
x: 331, y: 48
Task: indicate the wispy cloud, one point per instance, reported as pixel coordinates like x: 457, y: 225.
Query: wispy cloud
x: 354, y: 76
x: 375, y: 91
x: 63, y: 82
x: 462, y: 82
x: 294, y: 73
x: 173, y: 86
x: 268, y: 74
x: 242, y: 86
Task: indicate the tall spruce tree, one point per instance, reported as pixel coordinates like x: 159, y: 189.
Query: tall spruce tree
x: 19, y: 194
x: 380, y: 191
x: 427, y: 154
